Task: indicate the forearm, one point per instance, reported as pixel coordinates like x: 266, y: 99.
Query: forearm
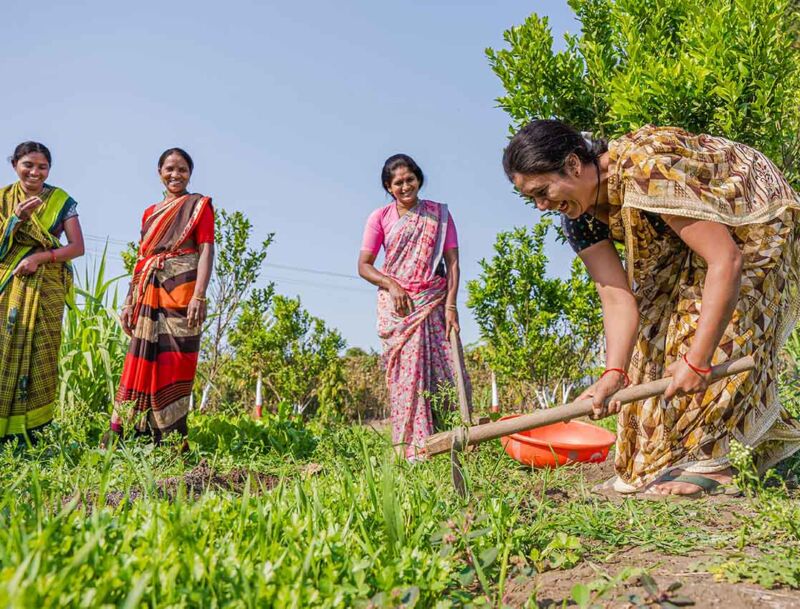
x: 720, y: 295
x: 374, y: 276
x: 453, y: 277
x: 204, y: 267
x: 59, y: 254
x: 621, y: 325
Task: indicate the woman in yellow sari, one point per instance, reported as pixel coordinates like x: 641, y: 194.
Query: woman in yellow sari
x: 35, y: 278
x: 710, y: 228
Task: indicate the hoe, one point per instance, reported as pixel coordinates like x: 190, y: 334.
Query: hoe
x: 461, y: 438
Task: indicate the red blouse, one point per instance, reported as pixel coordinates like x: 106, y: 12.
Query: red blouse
x: 202, y: 233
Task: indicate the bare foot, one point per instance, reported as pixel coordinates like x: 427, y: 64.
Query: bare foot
x: 666, y: 486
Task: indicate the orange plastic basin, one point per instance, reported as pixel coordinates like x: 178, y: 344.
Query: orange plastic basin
x: 558, y: 444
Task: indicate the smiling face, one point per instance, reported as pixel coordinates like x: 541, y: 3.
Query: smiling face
x: 32, y: 169
x: 175, y: 174
x: 568, y: 192
x: 404, y: 186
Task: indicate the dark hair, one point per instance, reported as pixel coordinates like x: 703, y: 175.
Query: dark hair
x: 179, y: 151
x: 395, y: 162
x: 28, y: 148
x: 542, y: 146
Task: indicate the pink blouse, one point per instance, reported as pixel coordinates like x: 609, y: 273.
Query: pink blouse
x: 380, y: 222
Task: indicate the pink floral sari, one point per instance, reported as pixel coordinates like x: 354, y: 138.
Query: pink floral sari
x: 416, y: 351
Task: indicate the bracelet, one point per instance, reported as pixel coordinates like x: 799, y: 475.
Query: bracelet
x: 200, y: 298
x: 451, y: 307
x: 695, y: 369
x: 626, y: 379
x: 52, y: 256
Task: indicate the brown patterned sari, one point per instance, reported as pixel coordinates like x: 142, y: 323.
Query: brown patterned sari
x: 672, y: 172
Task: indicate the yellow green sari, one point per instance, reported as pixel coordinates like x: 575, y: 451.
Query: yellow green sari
x: 31, y: 309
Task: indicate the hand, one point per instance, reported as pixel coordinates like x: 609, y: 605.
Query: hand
x: 403, y: 304
x: 196, y: 313
x: 25, y: 209
x: 684, y: 380
x: 451, y: 321
x: 126, y: 319
x: 27, y: 266
x: 605, y: 386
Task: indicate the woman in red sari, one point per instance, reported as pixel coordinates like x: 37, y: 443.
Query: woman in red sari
x: 418, y: 287
x: 166, y: 305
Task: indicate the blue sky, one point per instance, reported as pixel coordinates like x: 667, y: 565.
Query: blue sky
x: 289, y: 110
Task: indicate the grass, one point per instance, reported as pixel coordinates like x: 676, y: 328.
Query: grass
x: 362, y: 529
x: 345, y: 525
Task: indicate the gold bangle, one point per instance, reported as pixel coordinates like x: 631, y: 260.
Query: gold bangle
x: 200, y: 298
x: 451, y: 306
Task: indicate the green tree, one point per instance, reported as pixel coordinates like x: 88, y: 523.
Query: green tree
x: 295, y: 352
x: 731, y: 69
x: 237, y: 267
x: 536, y: 329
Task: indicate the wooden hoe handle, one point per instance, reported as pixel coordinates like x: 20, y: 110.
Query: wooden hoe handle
x: 443, y: 442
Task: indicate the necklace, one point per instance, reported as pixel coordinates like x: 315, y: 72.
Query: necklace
x: 593, y: 217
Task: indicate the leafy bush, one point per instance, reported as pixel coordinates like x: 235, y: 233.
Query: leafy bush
x: 295, y: 352
x: 538, y: 331
x: 731, y: 71
x: 241, y: 435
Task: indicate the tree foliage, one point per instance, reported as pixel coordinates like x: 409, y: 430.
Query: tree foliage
x: 732, y: 70
x: 537, y: 329
x: 295, y: 352
x: 237, y: 267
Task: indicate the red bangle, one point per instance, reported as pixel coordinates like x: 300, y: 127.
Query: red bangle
x: 52, y: 256
x: 697, y: 370
x: 626, y: 379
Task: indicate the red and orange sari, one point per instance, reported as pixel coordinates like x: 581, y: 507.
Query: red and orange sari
x: 416, y: 351
x: 160, y: 366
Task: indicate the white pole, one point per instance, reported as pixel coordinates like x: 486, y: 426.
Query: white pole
x: 204, y: 398
x: 259, y: 397
x: 495, y: 400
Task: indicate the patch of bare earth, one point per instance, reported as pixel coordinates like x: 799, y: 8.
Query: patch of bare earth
x: 194, y: 483
x: 552, y: 588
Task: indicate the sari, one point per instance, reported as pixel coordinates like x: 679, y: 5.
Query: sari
x: 31, y: 309
x: 672, y: 172
x: 416, y: 352
x: 160, y: 366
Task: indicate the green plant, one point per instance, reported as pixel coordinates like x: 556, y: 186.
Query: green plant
x: 444, y: 405
x: 237, y: 267
x: 563, y: 551
x: 540, y: 330
x: 296, y: 353
x: 93, y: 346
x: 731, y: 71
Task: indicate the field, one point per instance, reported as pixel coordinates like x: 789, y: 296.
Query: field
x: 280, y: 513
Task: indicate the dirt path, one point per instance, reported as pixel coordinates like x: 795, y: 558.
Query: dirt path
x: 553, y: 587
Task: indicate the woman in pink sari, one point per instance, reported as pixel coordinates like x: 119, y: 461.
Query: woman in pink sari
x: 417, y: 291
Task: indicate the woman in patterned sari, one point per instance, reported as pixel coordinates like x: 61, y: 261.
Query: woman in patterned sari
x: 166, y: 305
x: 418, y: 287
x: 710, y: 228
x: 35, y: 279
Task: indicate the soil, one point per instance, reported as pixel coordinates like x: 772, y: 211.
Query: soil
x: 194, y: 483
x: 552, y: 588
